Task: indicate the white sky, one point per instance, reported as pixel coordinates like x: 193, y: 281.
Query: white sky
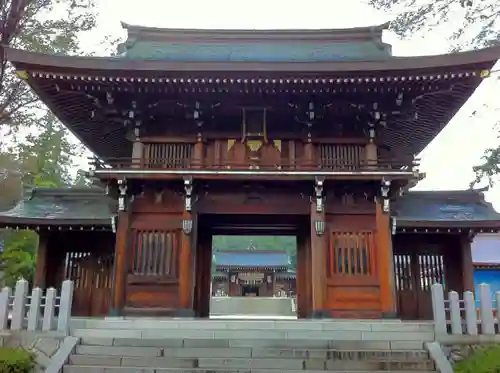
x: 448, y: 160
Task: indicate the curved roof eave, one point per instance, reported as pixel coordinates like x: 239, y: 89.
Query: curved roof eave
x: 9, y: 221
x: 463, y: 224
x: 51, y: 63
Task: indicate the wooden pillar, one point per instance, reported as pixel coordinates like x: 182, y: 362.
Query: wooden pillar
x: 273, y: 283
x: 385, y: 262
x: 451, y: 249
x: 40, y: 278
x: 303, y: 275
x: 309, y: 158
x: 120, y: 266
x: 138, y: 154
x: 198, y: 151
x: 203, y: 275
x: 371, y: 156
x: 467, y: 265
x: 185, y: 264
x: 319, y: 243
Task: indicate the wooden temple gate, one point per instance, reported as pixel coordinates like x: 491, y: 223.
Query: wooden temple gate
x: 272, y: 140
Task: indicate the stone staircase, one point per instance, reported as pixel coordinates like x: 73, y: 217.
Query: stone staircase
x: 223, y: 346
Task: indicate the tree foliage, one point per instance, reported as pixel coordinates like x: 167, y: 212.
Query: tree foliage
x: 18, y: 258
x: 47, y: 26
x: 468, y: 24
x: 44, y: 159
x: 38, y: 150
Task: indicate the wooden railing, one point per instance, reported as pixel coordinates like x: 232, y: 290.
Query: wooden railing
x: 325, y: 165
x: 348, y: 156
x: 160, y: 155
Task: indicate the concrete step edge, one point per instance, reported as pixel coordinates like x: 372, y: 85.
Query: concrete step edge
x: 301, y: 349
x: 246, y: 358
x: 93, y: 368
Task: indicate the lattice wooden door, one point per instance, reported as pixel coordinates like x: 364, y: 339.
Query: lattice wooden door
x: 414, y: 274
x: 92, y: 277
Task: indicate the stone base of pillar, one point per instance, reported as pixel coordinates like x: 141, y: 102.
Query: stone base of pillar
x: 183, y: 312
x: 320, y: 314
x: 115, y: 312
x: 389, y: 315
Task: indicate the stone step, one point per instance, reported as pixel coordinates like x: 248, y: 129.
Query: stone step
x: 252, y: 325
x: 107, y: 369
x: 251, y: 306
x: 296, y: 344
x: 254, y: 352
x: 248, y: 363
x: 270, y: 334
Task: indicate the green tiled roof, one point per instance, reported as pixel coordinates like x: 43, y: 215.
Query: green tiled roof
x: 91, y: 206
x: 64, y: 206
x: 149, y: 43
x: 463, y: 208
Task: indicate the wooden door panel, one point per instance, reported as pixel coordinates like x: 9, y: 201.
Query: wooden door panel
x: 92, y: 277
x: 353, y: 283
x: 153, y: 269
x: 414, y: 273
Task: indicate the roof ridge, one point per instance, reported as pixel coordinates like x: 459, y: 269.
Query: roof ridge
x: 176, y: 30
x: 68, y: 192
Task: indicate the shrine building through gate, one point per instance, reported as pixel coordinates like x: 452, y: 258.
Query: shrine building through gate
x: 200, y: 133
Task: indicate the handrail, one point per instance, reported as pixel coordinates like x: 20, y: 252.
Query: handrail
x: 403, y: 164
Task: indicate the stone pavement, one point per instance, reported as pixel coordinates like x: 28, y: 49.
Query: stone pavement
x: 252, y: 306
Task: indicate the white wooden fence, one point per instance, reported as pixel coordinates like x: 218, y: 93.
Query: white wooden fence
x: 461, y: 315
x: 22, y: 311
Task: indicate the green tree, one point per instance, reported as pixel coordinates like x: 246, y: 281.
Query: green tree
x: 469, y: 24
x: 48, y: 26
x: 46, y: 159
x: 18, y: 258
x: 48, y: 154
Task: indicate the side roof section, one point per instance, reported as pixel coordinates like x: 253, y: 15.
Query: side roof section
x: 64, y: 207
x: 445, y: 209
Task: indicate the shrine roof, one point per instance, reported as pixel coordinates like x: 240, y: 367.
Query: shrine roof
x: 150, y: 43
x: 485, y: 249
x: 251, y: 259
x: 91, y: 207
x: 91, y: 95
x: 61, y: 207
x: 110, y: 68
x: 457, y: 209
